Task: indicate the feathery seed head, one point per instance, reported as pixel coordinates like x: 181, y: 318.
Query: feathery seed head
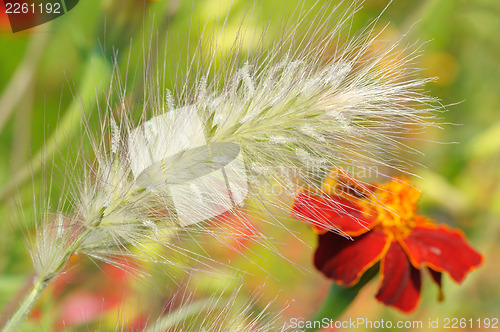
x: 285, y: 114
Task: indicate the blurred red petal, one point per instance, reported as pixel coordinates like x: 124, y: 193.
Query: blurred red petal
x: 332, y: 212
x: 345, y: 260
x: 442, y: 249
x: 114, y: 279
x: 4, y: 19
x: 82, y: 307
x: 401, y: 282
x: 121, y: 269
x: 238, y: 228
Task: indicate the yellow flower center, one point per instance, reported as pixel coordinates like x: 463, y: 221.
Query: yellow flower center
x: 394, y: 205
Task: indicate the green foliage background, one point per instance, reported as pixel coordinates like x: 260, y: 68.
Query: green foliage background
x: 461, y: 162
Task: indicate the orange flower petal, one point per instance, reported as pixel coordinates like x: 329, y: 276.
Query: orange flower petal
x: 345, y: 260
x: 401, y: 282
x: 238, y: 229
x: 442, y: 249
x: 331, y: 212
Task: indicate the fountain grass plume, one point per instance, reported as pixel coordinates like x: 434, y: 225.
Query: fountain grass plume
x: 224, y: 310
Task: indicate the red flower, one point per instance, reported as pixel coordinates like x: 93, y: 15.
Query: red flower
x: 382, y: 224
